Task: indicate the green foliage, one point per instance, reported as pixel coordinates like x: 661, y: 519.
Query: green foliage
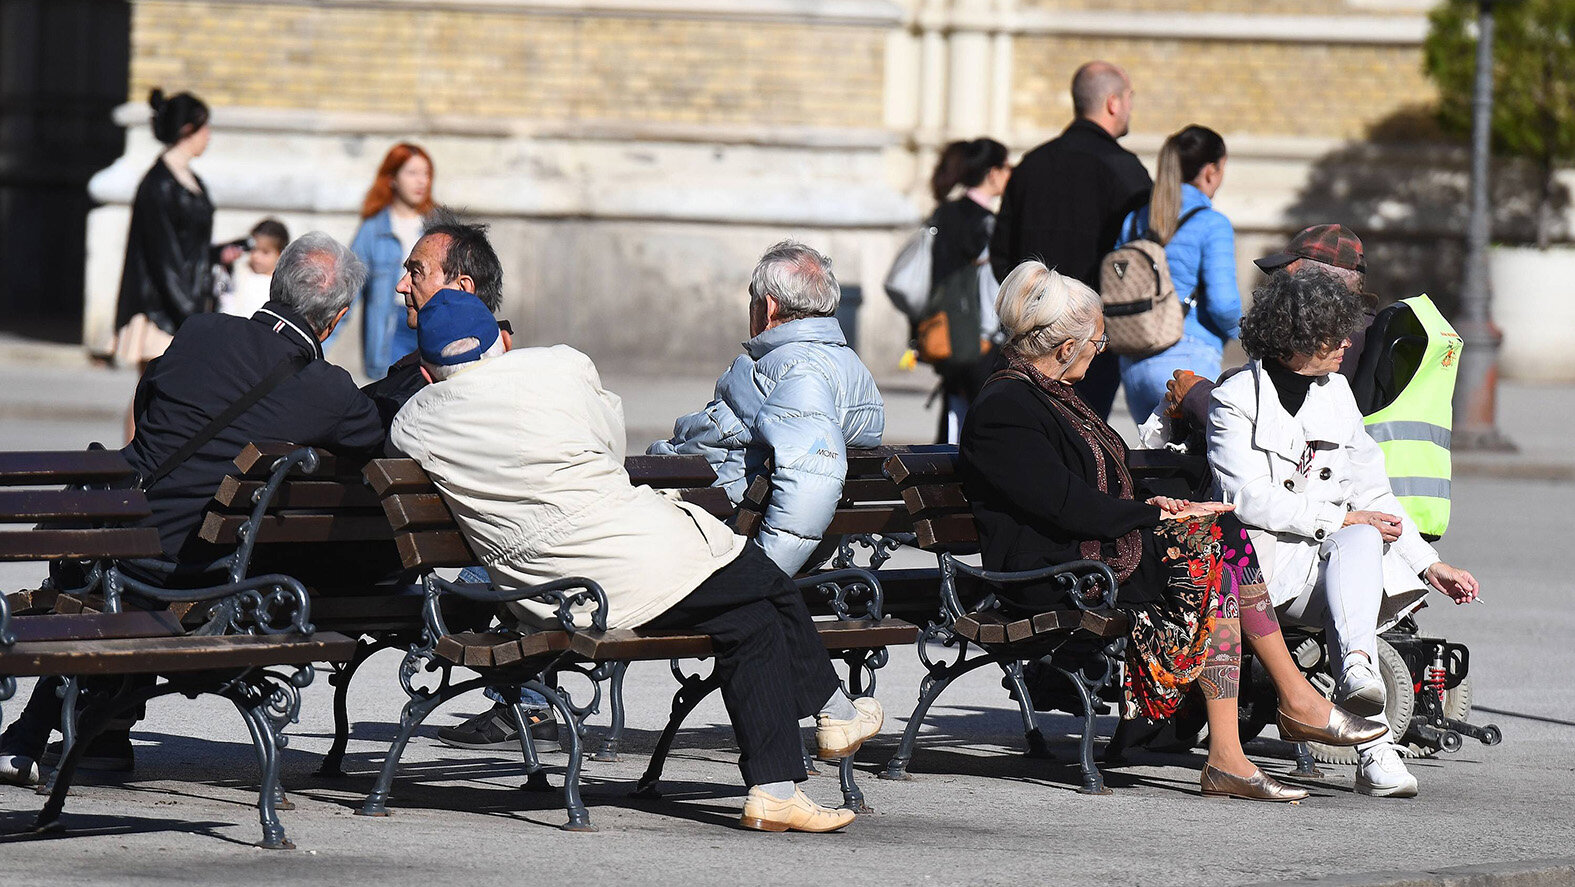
x: 1533, y: 74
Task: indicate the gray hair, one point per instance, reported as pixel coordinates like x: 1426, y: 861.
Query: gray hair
x: 1299, y: 313
x: 1040, y: 309
x: 1093, y: 83
x: 1355, y: 281
x: 316, y: 277
x: 799, y: 278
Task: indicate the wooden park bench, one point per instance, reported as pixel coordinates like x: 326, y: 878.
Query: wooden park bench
x: 1083, y: 640
x: 429, y: 539
x: 253, y: 627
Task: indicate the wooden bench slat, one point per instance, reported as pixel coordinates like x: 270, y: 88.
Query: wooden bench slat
x: 669, y: 471
x: 397, y: 476
x: 635, y: 644
x: 134, y: 624
x: 19, y: 506
x: 934, y: 497
x: 62, y: 467
x: 442, y: 548
x: 417, y: 511
x: 869, y: 519
x: 713, y: 499
x: 256, y: 460
x: 186, y: 653
x: 871, y: 461
x: 950, y: 529
x: 940, y: 466
x: 44, y: 545
x: 299, y: 527
x: 236, y: 494
x: 870, y: 489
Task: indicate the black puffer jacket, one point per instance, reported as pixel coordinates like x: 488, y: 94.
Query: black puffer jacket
x: 169, y: 252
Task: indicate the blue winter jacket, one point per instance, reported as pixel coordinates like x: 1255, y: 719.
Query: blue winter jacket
x: 385, y: 337
x: 798, y: 395
x: 1205, y: 246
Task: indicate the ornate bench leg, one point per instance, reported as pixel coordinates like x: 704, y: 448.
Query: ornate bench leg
x: 415, y: 711
x: 1306, y: 765
x: 1093, y: 781
x: 691, y: 689
x: 852, y: 797
x: 931, y: 688
x: 268, y: 792
x: 535, y: 776
x: 332, y: 765
x: 579, y: 817
x: 614, y: 741
x: 1031, y: 732
x: 92, y: 721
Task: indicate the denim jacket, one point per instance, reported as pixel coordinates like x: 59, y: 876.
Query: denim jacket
x: 798, y: 394
x: 376, y: 246
x: 1203, y: 250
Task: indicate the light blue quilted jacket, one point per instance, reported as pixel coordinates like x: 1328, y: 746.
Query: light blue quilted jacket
x: 800, y: 396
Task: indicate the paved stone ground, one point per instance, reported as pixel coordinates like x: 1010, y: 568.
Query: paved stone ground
x: 979, y: 812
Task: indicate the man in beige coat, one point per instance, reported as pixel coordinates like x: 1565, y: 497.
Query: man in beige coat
x: 527, y: 448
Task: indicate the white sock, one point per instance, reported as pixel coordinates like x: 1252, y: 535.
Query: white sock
x: 782, y: 791
x: 839, y: 707
x: 1368, y: 746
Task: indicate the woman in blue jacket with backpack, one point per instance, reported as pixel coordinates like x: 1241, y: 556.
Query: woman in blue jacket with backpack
x: 1200, y: 247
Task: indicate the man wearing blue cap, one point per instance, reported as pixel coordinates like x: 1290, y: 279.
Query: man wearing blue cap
x: 528, y: 449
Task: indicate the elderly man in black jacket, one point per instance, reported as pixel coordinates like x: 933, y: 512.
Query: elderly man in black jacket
x: 1067, y: 197
x: 215, y: 361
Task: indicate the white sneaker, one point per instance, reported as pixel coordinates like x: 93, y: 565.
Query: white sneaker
x: 1361, y: 688
x: 1381, y: 773
x: 20, y: 770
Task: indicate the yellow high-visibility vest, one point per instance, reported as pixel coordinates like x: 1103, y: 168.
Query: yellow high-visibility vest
x: 1414, y: 430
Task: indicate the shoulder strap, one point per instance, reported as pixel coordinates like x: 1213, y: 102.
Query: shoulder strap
x: 1148, y: 232
x: 285, y: 369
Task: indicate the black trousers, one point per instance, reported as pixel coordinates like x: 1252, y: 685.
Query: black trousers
x: 773, y: 667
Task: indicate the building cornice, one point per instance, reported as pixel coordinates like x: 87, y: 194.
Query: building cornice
x: 1402, y: 30
x: 852, y: 13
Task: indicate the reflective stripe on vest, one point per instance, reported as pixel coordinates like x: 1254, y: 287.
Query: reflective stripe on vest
x: 1414, y: 430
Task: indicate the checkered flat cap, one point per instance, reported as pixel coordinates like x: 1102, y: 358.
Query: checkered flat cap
x: 1330, y: 244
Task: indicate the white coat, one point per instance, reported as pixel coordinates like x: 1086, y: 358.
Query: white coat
x: 527, y: 449
x: 1293, y: 478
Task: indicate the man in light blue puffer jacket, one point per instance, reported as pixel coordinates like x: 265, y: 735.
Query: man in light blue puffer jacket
x: 798, y: 396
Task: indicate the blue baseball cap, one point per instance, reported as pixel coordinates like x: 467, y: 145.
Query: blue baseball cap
x: 451, y: 316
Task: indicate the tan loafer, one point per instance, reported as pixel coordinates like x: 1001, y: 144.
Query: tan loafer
x: 1260, y: 786
x: 840, y: 739
x: 1343, y: 729
x: 764, y: 813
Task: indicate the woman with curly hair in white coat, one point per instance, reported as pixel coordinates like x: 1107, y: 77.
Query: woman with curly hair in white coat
x: 1289, y: 450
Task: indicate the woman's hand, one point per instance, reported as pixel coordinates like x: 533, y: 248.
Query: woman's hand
x: 1387, y: 525
x: 1177, y: 509
x: 1453, y: 581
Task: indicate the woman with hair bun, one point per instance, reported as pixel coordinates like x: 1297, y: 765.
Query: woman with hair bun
x: 169, y: 252
x: 393, y: 217
x: 961, y: 250
x: 1048, y: 482
x: 1200, y: 247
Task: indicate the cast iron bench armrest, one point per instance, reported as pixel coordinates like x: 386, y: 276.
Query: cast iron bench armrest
x: 257, y: 605
x: 1077, y: 579
x: 846, y: 588
x: 565, y: 593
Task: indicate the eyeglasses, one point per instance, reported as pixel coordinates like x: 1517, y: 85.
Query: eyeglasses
x: 1101, y: 343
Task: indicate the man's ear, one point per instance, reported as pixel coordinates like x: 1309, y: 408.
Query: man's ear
x: 508, y: 340
x: 463, y: 282
x: 773, y: 309
x: 323, y: 336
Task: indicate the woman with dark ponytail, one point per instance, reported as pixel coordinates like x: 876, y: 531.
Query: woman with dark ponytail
x: 961, y: 249
x: 1200, y: 246
x: 169, y: 251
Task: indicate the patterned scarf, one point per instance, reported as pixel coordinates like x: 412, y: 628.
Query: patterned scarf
x: 1110, y: 457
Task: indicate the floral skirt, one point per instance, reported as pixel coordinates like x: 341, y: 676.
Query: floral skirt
x: 1167, y: 646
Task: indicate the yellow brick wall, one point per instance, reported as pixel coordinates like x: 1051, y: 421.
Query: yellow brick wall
x: 508, y: 64
x: 1286, y: 89
x: 1262, y: 7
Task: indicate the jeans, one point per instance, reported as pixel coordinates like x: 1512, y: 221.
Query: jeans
x: 1145, y: 378
x: 1347, y: 595
x: 528, y: 697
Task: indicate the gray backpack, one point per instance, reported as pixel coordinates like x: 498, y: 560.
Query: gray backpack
x: 908, y: 282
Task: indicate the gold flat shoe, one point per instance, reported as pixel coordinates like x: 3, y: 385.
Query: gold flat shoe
x: 1343, y: 729
x: 1260, y: 786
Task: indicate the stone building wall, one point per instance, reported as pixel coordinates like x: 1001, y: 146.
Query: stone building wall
x: 635, y: 156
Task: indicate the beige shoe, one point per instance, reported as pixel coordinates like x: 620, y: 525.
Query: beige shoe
x: 764, y: 813
x: 840, y: 739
